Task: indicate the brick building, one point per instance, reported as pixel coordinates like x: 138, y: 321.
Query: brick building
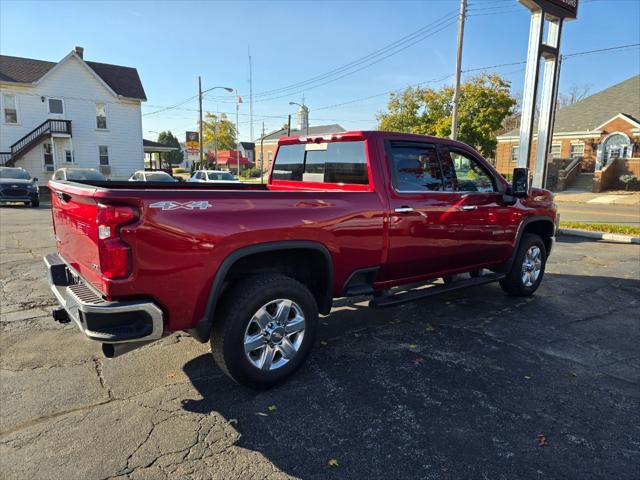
x: 598, y: 129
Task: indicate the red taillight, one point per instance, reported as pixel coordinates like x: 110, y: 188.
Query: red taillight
x: 115, y: 255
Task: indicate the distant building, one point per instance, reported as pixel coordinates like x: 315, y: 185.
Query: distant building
x: 230, y: 160
x: 597, y: 129
x: 70, y: 113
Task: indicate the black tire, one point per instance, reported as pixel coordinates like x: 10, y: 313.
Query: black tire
x: 513, y: 283
x: 35, y: 203
x: 241, y: 302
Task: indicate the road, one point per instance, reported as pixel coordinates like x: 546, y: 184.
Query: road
x: 471, y: 385
x: 598, y: 213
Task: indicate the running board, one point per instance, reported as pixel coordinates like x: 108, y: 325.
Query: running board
x: 412, y: 295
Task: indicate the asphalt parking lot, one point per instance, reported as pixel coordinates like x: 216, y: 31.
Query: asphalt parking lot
x: 469, y: 385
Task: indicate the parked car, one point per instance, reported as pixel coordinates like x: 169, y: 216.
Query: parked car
x: 213, y: 176
x: 154, y: 176
x: 17, y: 185
x: 181, y: 174
x: 249, y: 267
x: 77, y: 174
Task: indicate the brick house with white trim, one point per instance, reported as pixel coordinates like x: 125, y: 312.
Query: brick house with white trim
x: 70, y: 113
x: 598, y: 129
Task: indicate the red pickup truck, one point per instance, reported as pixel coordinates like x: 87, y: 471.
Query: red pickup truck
x: 249, y: 267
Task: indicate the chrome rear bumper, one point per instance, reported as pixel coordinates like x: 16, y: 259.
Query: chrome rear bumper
x: 105, y: 321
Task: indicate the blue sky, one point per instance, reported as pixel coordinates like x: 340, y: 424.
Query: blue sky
x: 171, y: 43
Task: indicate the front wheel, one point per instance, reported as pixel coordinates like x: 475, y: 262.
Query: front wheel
x: 265, y: 329
x: 528, y: 267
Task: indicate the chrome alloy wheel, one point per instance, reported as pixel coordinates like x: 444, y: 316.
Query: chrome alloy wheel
x: 274, y: 334
x: 531, y: 266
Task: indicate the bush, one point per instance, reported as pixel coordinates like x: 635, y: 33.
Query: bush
x: 629, y: 181
x: 250, y: 173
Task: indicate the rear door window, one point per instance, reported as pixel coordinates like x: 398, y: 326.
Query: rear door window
x: 415, y: 167
x: 335, y: 162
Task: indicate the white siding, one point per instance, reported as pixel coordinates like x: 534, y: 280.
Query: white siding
x: 80, y: 90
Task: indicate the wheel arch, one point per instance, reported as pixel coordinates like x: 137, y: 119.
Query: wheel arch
x: 271, y: 257
x: 540, y: 225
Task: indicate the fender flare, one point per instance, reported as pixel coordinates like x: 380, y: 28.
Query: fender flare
x: 521, y: 228
x: 202, y: 330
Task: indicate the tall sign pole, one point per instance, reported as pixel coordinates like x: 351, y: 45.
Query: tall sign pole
x: 552, y: 13
x: 456, y: 92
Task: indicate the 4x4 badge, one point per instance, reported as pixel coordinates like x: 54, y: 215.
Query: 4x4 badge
x: 199, y: 205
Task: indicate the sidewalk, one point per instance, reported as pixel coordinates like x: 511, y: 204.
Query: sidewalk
x: 608, y: 198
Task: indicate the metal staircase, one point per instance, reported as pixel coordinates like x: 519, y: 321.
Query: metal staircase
x: 45, y: 130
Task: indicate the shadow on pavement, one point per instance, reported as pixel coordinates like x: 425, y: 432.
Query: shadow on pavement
x: 461, y: 386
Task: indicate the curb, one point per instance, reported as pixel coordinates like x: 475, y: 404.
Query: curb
x: 605, y: 237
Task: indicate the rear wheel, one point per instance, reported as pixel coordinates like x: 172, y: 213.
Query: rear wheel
x: 264, y: 330
x: 528, y: 267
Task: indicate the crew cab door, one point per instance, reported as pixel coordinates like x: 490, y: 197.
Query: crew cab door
x: 434, y: 227
x: 487, y: 224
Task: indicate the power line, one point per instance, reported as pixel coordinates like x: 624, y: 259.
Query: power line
x: 451, y: 22
x: 469, y: 70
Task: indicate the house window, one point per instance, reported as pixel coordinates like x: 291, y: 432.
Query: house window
x: 55, y: 106
x: 270, y: 156
x: 514, y: 153
x: 577, y: 150
x: 10, y: 109
x: 47, y: 154
x: 101, y: 115
x: 104, y: 154
x: 68, y: 156
x: 555, y: 150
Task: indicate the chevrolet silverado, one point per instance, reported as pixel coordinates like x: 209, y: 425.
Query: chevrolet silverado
x: 249, y: 267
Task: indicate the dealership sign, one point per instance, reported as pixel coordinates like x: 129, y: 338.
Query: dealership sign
x: 567, y: 9
x: 193, y: 144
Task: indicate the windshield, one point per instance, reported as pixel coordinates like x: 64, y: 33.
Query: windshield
x: 158, y: 177
x: 88, y: 174
x: 16, y: 173
x: 220, y: 176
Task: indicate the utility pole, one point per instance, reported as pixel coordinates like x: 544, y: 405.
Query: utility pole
x: 456, y: 93
x: 262, y: 154
x: 250, y: 99
x: 238, y: 100
x: 289, y: 126
x: 200, y: 109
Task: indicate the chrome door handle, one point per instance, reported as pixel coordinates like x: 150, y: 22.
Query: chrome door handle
x: 404, y: 210
x: 469, y: 207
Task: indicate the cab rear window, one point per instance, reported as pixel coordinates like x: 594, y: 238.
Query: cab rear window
x: 337, y: 162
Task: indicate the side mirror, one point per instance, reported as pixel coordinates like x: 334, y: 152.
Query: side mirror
x: 35, y: 179
x: 520, y: 182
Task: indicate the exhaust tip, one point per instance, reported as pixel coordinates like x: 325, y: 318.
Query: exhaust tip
x: 113, y: 350
x: 108, y: 350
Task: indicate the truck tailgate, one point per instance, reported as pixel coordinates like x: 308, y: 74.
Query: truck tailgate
x: 74, y: 212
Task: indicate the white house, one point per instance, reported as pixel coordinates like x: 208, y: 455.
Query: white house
x: 70, y: 113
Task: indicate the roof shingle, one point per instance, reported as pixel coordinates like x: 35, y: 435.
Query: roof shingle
x: 593, y: 111
x: 124, y: 81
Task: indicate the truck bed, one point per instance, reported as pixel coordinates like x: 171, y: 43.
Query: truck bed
x: 183, y: 232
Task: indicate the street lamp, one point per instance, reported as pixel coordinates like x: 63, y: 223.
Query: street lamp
x: 200, y: 93
x: 306, y: 110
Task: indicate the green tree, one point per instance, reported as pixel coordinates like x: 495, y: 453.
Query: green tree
x: 485, y: 101
x: 170, y: 158
x: 220, y: 129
